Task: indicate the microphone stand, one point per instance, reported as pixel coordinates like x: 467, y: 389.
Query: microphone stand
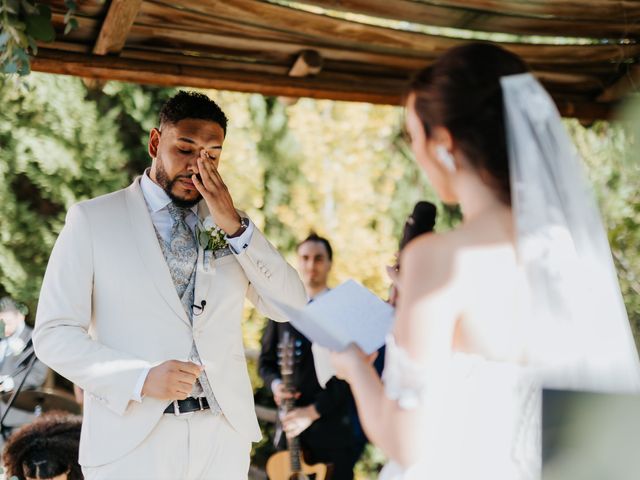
x: 5, y: 430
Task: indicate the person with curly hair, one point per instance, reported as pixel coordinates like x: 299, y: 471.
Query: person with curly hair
x: 45, y: 449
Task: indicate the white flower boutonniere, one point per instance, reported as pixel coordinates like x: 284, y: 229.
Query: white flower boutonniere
x: 210, y: 236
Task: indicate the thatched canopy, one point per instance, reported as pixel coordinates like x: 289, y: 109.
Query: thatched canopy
x: 360, y: 50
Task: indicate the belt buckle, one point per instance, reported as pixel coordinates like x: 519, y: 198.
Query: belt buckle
x: 176, y: 410
x: 200, y: 404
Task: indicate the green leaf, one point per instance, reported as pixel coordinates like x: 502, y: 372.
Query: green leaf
x: 44, y: 11
x: 29, y: 7
x: 25, y: 69
x: 4, y: 36
x: 33, y: 45
x: 39, y: 26
x: 70, y: 4
x: 10, y: 67
x: 72, y: 25
x: 12, y: 6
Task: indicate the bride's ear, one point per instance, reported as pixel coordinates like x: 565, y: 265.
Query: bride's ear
x: 443, y: 149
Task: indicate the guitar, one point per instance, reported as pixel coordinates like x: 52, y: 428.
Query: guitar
x: 288, y: 464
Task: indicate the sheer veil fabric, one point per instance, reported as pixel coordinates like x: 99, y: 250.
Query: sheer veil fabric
x: 579, y: 335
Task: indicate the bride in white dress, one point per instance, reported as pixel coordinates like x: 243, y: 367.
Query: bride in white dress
x: 523, y: 295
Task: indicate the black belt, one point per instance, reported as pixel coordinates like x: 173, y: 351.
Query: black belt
x: 188, y: 405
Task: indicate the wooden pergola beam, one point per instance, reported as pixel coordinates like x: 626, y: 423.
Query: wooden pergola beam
x: 154, y: 73
x: 116, y: 26
x: 327, y: 85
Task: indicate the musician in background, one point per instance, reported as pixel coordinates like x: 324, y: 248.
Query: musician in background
x: 15, y: 352
x: 321, y: 415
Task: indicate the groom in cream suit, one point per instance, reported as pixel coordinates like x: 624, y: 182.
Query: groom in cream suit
x: 141, y: 307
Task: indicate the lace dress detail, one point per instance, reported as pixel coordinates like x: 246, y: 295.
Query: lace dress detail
x: 480, y: 418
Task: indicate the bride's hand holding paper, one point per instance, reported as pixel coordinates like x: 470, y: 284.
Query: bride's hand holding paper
x: 348, y: 360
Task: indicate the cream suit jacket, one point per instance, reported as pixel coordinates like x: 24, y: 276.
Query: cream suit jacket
x: 108, y: 309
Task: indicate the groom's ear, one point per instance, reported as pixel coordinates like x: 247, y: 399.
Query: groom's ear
x: 154, y: 140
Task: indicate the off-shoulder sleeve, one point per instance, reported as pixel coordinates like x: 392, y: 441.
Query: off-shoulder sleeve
x: 404, y: 380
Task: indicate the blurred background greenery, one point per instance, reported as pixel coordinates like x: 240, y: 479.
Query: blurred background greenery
x: 340, y: 169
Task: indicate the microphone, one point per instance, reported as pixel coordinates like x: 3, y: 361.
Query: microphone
x: 200, y: 308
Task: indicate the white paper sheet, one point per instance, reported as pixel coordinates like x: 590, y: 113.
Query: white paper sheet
x: 348, y: 313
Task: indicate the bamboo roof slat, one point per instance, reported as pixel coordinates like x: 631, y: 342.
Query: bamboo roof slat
x: 590, y: 10
x: 252, y: 45
x: 503, y: 20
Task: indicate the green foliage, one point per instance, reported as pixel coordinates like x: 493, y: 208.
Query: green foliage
x: 58, y: 146
x: 22, y: 24
x: 280, y: 164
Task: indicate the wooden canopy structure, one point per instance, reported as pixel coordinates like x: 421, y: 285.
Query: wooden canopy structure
x: 357, y: 50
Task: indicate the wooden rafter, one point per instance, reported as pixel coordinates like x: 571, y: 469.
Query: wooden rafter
x: 479, y: 17
x: 348, y: 88
x: 335, y: 87
x: 256, y: 45
x: 115, y: 28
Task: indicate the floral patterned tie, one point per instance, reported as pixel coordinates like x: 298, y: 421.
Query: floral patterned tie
x: 182, y: 256
x: 184, y: 253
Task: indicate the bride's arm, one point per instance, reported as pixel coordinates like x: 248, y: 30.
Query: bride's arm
x: 423, y: 330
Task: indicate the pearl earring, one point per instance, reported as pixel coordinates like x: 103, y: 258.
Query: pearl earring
x: 445, y: 158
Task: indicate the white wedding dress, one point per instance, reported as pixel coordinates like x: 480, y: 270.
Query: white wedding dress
x: 482, y: 417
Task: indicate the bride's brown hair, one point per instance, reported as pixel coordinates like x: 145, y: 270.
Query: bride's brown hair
x: 461, y: 92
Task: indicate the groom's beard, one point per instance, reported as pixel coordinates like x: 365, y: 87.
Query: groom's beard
x: 168, y: 184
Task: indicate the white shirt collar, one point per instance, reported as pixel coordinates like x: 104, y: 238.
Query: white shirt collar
x: 156, y: 198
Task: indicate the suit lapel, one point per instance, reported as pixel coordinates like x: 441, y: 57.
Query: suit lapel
x: 204, y: 272
x: 149, y: 249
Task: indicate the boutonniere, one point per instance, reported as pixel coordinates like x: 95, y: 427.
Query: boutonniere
x: 16, y: 345
x: 211, y: 237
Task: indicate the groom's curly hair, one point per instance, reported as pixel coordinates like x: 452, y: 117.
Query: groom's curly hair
x: 192, y: 105
x: 45, y: 448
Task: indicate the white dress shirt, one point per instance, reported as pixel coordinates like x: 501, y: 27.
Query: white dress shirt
x: 157, y: 202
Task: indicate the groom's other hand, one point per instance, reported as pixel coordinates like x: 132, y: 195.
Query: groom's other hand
x: 171, y: 380
x: 216, y: 195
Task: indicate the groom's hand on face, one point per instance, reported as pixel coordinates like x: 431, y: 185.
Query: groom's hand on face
x: 216, y: 194
x: 171, y: 380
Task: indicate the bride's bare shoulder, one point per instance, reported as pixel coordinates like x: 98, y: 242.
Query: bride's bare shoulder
x: 440, y: 246
x: 433, y: 253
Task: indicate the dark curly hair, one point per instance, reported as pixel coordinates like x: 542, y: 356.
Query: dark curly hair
x: 192, y: 105
x: 45, y: 448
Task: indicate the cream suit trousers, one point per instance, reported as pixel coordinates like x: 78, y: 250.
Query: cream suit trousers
x: 193, y: 446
